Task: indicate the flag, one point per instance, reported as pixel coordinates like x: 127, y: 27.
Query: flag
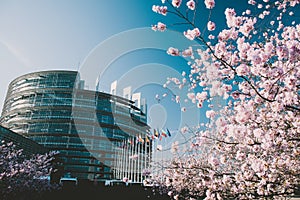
x: 169, y: 134
x: 163, y: 133
x: 140, y: 139
x: 130, y: 142
x: 156, y: 133
x: 152, y: 137
x: 147, y: 139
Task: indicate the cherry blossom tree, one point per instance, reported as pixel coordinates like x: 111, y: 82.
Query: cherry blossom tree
x: 250, y: 149
x: 22, y: 177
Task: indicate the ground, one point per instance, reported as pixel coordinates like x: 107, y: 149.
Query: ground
x: 110, y: 192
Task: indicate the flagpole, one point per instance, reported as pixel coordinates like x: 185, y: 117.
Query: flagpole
x: 118, y: 160
x: 131, y: 161
x: 124, y: 158
x: 121, y: 159
x: 156, y: 157
x: 117, y: 170
x: 150, y: 153
x: 126, y: 161
x: 133, y: 151
x: 145, y: 160
x: 138, y: 162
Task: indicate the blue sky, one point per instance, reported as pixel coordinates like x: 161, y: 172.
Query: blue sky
x: 41, y: 35
x: 64, y: 34
x: 45, y: 35
x: 37, y: 35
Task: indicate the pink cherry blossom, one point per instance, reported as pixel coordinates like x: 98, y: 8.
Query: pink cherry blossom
x: 211, y: 37
x: 173, y: 51
x: 184, y: 129
x: 210, y: 4
x: 192, y: 34
x: 211, y: 26
x: 252, y: 2
x: 282, y: 52
x: 214, y: 161
x: 201, y: 96
x: 160, y: 9
x: 177, y: 99
x: 242, y: 70
x: 210, y: 114
x: 159, y: 27
x: 230, y: 17
x: 191, y: 4
x: 176, y: 3
x: 188, y: 52
x: 247, y: 27
x: 175, y: 147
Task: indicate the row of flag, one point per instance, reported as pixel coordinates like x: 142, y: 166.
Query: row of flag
x: 156, y: 134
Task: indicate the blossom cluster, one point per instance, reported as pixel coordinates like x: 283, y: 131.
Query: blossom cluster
x: 250, y: 147
x: 20, y: 173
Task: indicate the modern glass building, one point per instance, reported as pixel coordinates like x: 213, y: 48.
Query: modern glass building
x: 87, y: 127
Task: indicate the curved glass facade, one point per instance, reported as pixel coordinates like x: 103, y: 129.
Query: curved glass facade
x: 86, y: 127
